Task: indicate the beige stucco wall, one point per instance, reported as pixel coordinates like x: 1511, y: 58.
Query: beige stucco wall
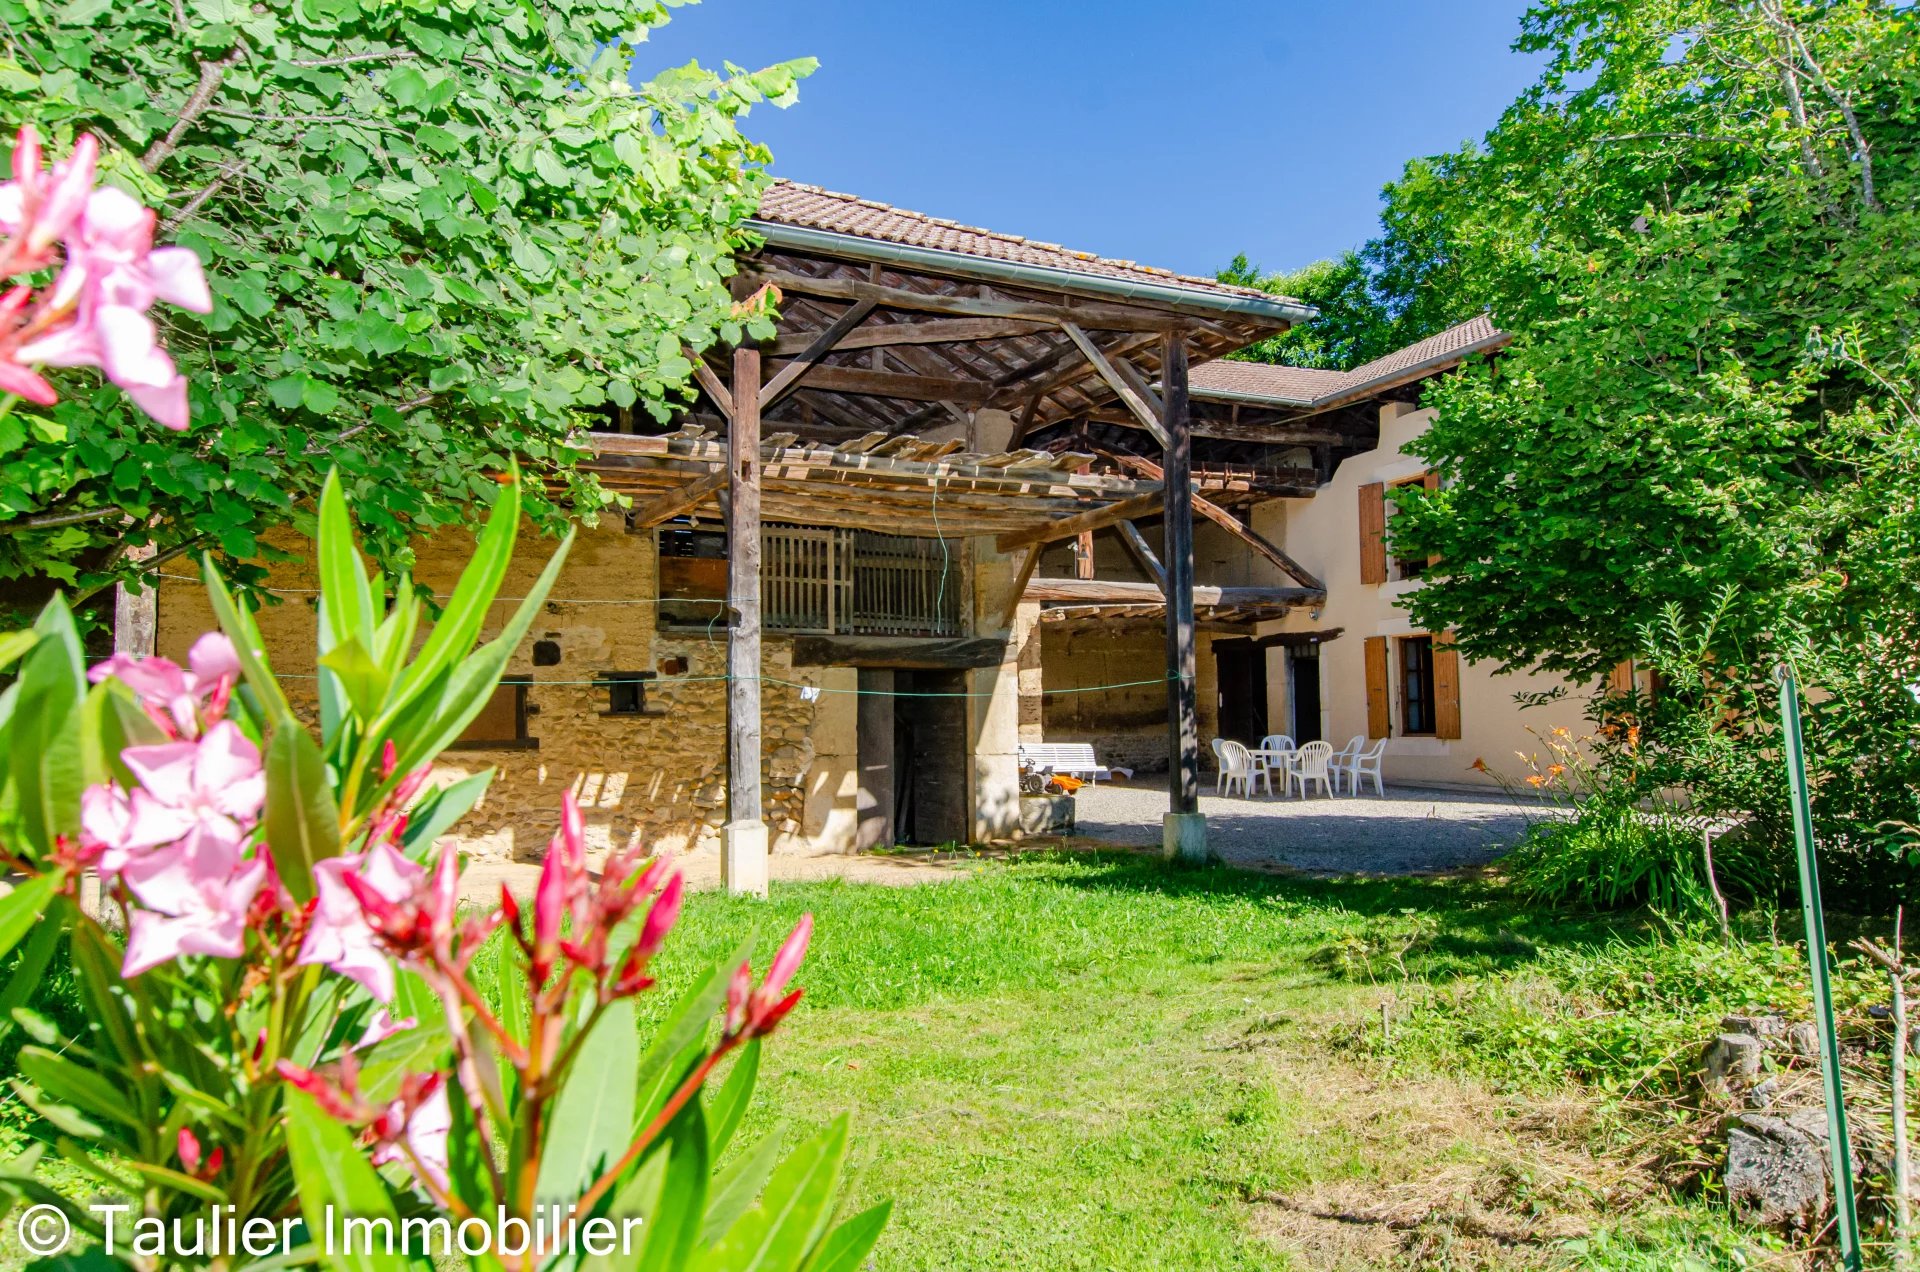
x: 660, y: 778
x: 1323, y: 534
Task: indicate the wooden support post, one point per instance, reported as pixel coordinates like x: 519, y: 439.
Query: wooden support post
x: 743, y: 849
x: 1184, y: 832
x: 1083, y: 546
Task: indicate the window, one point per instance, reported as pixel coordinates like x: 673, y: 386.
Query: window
x: 502, y: 723
x: 1408, y: 568
x: 827, y: 581
x: 626, y: 693
x: 1418, y: 701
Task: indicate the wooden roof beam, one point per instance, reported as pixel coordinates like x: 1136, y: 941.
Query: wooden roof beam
x: 676, y: 502
x: 1094, y: 519
x: 1146, y: 411
x: 1103, y: 317
x: 821, y: 345
x: 1226, y: 521
x: 913, y: 388
x: 945, y: 331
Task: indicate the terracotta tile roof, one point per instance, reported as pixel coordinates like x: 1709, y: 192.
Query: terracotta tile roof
x: 810, y: 207
x: 1303, y: 386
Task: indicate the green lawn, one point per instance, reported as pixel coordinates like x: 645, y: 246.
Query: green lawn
x: 1089, y: 1061
x: 1104, y: 1062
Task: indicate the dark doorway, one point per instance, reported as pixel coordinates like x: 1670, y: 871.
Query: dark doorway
x: 1303, y: 691
x: 914, y: 723
x: 1242, y: 670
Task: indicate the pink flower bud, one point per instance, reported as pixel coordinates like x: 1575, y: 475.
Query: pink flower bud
x: 787, y: 961
x: 549, y: 905
x: 661, y: 917
x: 739, y: 989
x: 189, y: 1149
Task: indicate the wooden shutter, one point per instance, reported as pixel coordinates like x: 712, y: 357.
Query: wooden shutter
x: 1446, y: 687
x: 1373, y: 534
x: 1620, y: 679
x: 1379, y: 707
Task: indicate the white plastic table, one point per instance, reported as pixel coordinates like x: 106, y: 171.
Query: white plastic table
x: 1278, y: 761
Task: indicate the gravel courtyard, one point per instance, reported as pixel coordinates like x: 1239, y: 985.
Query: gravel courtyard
x: 1409, y: 831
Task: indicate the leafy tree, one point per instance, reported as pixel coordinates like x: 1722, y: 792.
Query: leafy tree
x: 1666, y: 221
x: 1703, y: 227
x: 1353, y: 327
x: 438, y: 235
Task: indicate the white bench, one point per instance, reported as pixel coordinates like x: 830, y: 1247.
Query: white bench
x: 1075, y: 759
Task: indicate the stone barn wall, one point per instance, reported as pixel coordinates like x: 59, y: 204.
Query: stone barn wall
x: 1127, y: 725
x: 660, y: 777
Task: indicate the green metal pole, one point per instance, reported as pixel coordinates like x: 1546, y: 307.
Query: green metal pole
x: 1846, y: 1213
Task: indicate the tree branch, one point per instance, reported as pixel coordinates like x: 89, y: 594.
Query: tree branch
x: 54, y: 519
x: 354, y: 59
x: 227, y: 173
x: 211, y: 73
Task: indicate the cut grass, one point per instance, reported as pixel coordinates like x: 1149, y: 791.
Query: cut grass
x: 1103, y: 1062
x: 1082, y: 1061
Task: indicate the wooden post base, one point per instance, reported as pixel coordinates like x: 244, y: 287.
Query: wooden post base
x: 743, y: 858
x: 1183, y: 837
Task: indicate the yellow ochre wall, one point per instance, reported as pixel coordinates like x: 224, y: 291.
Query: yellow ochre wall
x: 655, y: 778
x: 1323, y: 534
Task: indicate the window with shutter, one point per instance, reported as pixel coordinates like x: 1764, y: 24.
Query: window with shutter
x: 1373, y: 533
x: 1446, y: 687
x: 1379, y: 705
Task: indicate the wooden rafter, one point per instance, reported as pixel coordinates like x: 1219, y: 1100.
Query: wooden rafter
x: 1068, y: 527
x: 1225, y: 520
x: 1148, y: 413
x: 893, y: 384
x: 951, y: 330
x: 1137, y: 544
x: 1105, y: 317
x: 822, y: 345
x: 717, y: 393
x: 676, y: 502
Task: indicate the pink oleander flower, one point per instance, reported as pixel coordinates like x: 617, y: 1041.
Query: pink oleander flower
x: 95, y: 314
x: 179, y: 701
x: 382, y: 1027
x: 423, y: 1118
x: 194, y: 899
x: 355, y: 893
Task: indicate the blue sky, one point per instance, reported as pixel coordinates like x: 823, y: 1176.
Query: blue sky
x: 1171, y: 133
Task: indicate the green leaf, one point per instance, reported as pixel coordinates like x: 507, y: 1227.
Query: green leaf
x: 20, y: 910
x: 46, y: 759
x: 686, y: 1026
x: 240, y: 628
x: 775, y: 1235
x: 639, y: 1198
x: 302, y: 821
x: 14, y: 644
x: 38, y: 952
x: 436, y: 814
x: 333, y: 1180
x: 592, y: 1121
x: 351, y: 610
x: 729, y: 1105
x: 61, y: 1079
x: 737, y: 1184
x: 319, y: 397
x: 847, y: 1246
x: 674, y: 1227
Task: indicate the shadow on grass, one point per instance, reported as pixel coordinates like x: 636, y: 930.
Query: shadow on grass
x: 1481, y: 924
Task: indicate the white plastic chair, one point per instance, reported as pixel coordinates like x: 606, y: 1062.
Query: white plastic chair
x: 1343, y: 757
x: 1240, y: 770
x: 1311, y: 765
x: 1366, y: 764
x: 1272, y: 742
x: 1219, y: 765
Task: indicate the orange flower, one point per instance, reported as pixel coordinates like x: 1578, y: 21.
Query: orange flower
x: 1556, y: 769
x: 1534, y: 779
x: 1479, y: 766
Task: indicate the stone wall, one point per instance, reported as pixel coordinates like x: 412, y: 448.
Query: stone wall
x: 1126, y: 723
x: 658, y: 777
